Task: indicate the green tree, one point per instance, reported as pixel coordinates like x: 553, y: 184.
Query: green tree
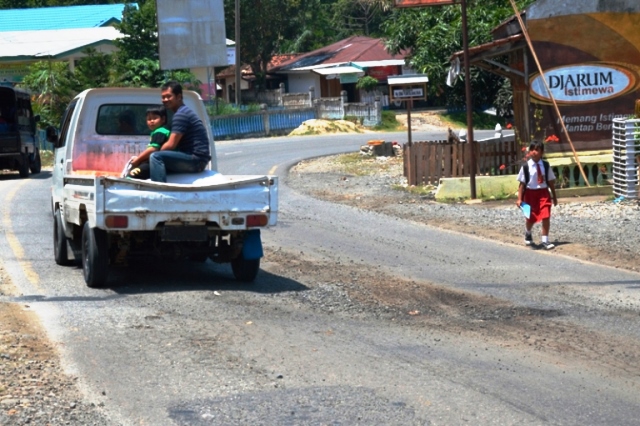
x: 53, y: 83
x: 360, y: 17
x: 94, y: 70
x: 266, y: 26
x: 140, y: 30
x: 147, y: 73
x: 432, y: 34
x: 311, y: 27
x: 137, y: 61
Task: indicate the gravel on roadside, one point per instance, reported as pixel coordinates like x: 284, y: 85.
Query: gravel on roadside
x: 34, y: 389
x: 593, y: 229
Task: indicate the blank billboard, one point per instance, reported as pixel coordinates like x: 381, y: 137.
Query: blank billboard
x: 191, y: 33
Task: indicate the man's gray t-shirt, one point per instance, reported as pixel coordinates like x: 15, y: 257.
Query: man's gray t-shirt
x: 194, y: 135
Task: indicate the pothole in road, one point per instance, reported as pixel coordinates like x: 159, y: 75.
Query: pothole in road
x: 360, y: 292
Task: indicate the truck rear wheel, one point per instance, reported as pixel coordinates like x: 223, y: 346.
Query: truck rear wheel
x: 95, y: 256
x: 60, y: 252
x: 36, y: 164
x: 245, y: 270
x: 23, y: 167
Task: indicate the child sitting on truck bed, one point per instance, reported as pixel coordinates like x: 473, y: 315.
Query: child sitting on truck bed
x: 156, y: 120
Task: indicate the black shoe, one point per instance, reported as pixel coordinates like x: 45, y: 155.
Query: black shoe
x: 528, y: 239
x: 548, y: 246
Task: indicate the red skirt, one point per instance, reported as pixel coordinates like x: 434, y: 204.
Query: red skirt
x: 540, y: 202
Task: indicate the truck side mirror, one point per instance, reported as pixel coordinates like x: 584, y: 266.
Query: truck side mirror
x: 52, y: 135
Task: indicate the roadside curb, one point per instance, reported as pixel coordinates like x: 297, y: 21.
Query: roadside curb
x: 501, y: 187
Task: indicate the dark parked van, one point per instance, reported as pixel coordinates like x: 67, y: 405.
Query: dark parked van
x: 18, y: 148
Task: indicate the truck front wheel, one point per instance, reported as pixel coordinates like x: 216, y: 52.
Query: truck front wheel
x: 245, y: 270
x: 95, y: 256
x: 60, y: 252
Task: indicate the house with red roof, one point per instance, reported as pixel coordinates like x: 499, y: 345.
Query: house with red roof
x: 328, y: 70
x: 226, y: 79
x: 338, y: 66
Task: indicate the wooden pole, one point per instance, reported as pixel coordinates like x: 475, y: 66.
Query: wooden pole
x: 409, y: 102
x: 544, y: 80
x: 238, y: 62
x: 469, y: 99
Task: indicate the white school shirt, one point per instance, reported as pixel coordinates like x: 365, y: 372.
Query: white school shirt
x: 533, y: 175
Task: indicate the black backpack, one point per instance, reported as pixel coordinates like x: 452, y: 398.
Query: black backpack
x: 525, y: 170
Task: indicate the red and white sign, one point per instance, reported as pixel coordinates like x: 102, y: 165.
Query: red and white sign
x: 381, y: 73
x: 419, y: 3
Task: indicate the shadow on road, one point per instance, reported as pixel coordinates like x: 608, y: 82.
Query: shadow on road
x: 8, y: 175
x: 192, y: 276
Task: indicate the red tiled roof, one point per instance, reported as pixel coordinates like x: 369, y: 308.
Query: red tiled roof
x: 246, y: 69
x: 352, y: 49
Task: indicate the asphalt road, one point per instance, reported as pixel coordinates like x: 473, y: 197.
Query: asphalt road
x: 183, y: 343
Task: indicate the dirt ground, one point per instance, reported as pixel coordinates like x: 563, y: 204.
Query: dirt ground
x: 420, y: 121
x: 423, y: 121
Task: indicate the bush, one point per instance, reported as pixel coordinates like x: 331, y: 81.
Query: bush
x: 220, y: 107
x: 367, y: 83
x: 355, y: 120
x: 389, y: 122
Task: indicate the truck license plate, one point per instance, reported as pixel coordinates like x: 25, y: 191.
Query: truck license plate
x: 185, y: 233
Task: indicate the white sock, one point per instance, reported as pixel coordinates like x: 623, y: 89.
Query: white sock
x: 527, y: 232
x: 545, y: 238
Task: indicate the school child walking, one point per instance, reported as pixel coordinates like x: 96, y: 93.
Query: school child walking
x: 536, y: 180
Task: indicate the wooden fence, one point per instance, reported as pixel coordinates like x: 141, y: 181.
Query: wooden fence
x: 426, y: 162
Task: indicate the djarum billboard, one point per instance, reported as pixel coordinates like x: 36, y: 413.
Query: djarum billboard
x: 591, y: 62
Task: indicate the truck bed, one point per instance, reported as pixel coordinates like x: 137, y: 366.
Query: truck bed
x: 202, y: 197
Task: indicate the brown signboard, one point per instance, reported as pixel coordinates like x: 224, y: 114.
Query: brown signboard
x: 415, y: 92
x: 419, y: 3
x: 593, y: 75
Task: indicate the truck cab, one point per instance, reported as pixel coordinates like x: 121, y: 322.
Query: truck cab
x: 18, y: 148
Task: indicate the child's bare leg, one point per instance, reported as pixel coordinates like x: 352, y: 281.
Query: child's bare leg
x: 546, y: 224
x: 528, y: 225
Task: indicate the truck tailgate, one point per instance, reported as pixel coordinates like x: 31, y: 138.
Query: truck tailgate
x: 233, y: 193
x: 205, y: 200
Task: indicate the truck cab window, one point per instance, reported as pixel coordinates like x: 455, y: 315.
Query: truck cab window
x: 122, y: 120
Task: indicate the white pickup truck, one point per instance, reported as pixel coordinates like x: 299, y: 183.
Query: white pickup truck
x: 108, y: 220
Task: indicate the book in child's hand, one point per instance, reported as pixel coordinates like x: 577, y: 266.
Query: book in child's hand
x: 127, y: 169
x: 526, y: 209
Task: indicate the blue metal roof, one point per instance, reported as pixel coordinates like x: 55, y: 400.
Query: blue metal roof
x: 59, y: 18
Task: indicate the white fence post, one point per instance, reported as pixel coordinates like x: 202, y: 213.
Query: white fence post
x: 281, y: 97
x: 626, y: 150
x: 312, y: 91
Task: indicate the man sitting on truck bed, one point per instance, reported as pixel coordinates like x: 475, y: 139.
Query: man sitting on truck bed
x: 187, y: 150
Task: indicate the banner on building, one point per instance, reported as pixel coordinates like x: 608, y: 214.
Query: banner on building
x: 420, y: 3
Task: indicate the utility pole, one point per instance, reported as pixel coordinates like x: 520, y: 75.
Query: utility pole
x: 238, y: 62
x: 467, y: 76
x: 467, y: 87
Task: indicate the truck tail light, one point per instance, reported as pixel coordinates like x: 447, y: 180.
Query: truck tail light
x: 116, y: 221
x: 257, y: 220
